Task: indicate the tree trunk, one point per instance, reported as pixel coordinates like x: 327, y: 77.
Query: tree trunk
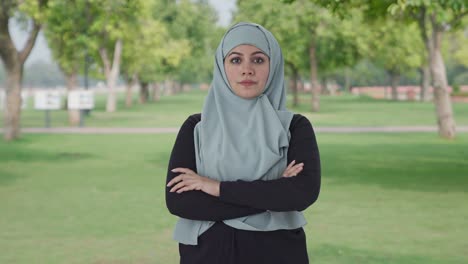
x: 294, y: 87
x: 425, y: 67
x: 12, y: 114
x: 168, y: 87
x: 347, y: 84
x: 144, y: 93
x: 112, y: 73
x: 314, y: 78
x: 73, y: 114
x: 293, y: 83
x: 425, y: 83
x: 13, y: 60
x: 386, y: 92
x: 442, y: 99
x: 156, y: 92
x: 129, y: 93
x: 394, y: 82
x: 177, y: 87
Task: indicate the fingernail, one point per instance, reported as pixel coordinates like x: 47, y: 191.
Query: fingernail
x: 173, y: 170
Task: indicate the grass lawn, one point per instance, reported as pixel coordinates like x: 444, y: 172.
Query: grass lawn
x: 171, y: 111
x: 386, y: 198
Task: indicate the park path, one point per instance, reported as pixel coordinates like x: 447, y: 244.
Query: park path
x: 161, y: 130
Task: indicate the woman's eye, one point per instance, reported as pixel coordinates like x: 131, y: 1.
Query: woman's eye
x: 235, y: 60
x: 258, y: 60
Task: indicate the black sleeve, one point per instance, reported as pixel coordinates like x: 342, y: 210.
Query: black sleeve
x: 196, y: 205
x: 284, y: 194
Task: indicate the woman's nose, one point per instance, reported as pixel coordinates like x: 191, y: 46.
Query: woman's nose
x: 247, y: 69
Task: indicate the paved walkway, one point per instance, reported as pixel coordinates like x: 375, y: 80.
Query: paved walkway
x: 161, y: 130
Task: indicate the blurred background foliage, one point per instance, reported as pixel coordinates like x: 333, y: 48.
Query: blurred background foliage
x: 176, y: 39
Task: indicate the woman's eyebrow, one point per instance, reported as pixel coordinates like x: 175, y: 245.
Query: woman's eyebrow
x: 252, y: 54
x: 258, y: 52
x: 235, y: 53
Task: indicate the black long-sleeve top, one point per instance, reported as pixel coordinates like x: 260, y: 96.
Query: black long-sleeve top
x: 242, y: 198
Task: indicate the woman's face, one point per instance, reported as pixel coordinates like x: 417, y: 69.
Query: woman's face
x: 247, y: 69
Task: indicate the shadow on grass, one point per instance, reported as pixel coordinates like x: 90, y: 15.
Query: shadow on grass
x: 28, y: 155
x: 420, y: 167
x: 20, y: 150
x: 334, y: 254
x: 8, y: 177
x: 18, y: 154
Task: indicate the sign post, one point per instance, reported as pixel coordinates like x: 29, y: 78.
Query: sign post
x: 47, y: 100
x: 81, y: 100
x: 3, y: 100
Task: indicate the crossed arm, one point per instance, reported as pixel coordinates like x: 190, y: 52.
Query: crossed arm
x: 192, y: 196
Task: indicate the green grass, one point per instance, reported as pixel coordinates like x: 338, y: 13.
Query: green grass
x: 386, y: 198
x: 350, y: 110
x: 171, y: 111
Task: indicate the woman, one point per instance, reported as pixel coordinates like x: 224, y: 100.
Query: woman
x: 241, y: 172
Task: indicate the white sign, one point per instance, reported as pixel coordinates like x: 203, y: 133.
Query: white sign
x: 80, y: 99
x: 47, y: 100
x: 3, y: 100
x: 24, y: 99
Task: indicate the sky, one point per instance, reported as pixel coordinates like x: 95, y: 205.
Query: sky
x: 41, y: 51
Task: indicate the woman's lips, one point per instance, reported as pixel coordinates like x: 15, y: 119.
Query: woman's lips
x: 247, y: 83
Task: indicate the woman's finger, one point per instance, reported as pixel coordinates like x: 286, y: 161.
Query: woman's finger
x: 297, y: 171
x: 290, y: 164
x: 183, y: 170
x: 185, y: 189
x: 291, y: 170
x: 289, y: 173
x: 175, y: 180
x: 298, y: 168
x: 294, y: 170
x: 178, y: 186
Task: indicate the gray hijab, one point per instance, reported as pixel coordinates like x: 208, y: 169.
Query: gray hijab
x: 243, y: 139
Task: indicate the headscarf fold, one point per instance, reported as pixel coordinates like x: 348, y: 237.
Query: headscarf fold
x: 243, y: 139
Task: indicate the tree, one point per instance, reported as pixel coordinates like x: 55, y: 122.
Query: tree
x: 194, y: 22
x: 455, y: 52
x: 441, y: 16
x: 108, y: 23
x: 395, y: 47
x: 32, y: 12
x: 341, y: 45
x: 148, y: 59
x: 281, y: 20
x: 66, y: 33
x: 305, y: 28
x: 434, y: 19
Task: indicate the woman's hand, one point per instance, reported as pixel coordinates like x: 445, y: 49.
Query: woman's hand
x: 292, y: 170
x: 188, y: 180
